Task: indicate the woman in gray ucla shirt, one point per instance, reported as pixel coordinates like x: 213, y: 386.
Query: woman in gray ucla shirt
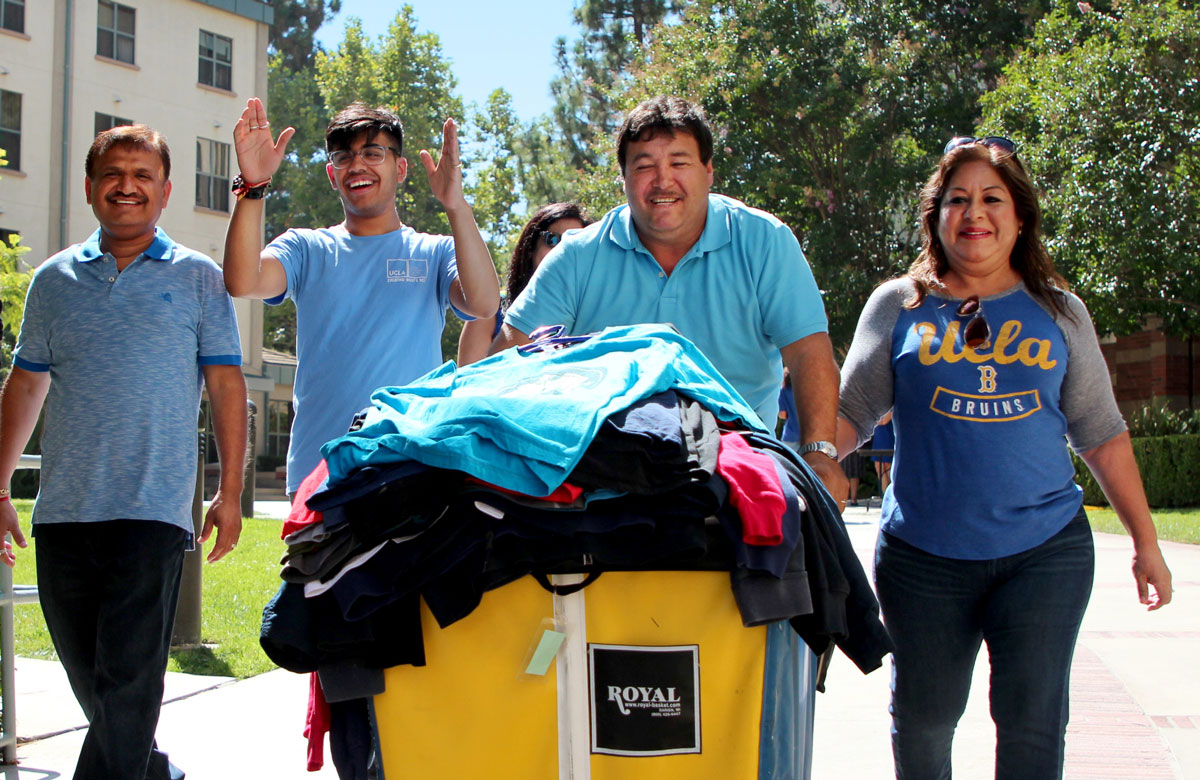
x: 987, y: 362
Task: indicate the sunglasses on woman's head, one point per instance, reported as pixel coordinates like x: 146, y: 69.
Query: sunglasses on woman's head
x: 550, y: 238
x: 996, y: 141
x: 977, y: 333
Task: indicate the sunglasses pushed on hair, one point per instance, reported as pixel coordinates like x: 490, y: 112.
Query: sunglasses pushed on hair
x: 992, y: 141
x: 977, y: 334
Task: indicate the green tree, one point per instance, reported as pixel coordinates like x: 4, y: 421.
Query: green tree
x: 296, y: 24
x: 294, y: 100
x: 14, y: 283
x: 557, y: 153
x: 406, y: 71
x: 1106, y: 105
x: 614, y: 33
x: 495, y: 169
x: 792, y: 97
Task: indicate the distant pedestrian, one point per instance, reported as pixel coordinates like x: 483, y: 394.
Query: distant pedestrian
x: 883, y: 441
x: 987, y: 363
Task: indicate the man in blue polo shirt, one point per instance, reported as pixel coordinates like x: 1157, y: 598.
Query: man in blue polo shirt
x: 731, y: 278
x: 120, y: 334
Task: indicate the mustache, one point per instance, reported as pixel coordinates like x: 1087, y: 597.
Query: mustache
x: 132, y: 196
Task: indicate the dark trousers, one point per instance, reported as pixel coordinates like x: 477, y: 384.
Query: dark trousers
x: 1027, y: 608
x: 109, y: 591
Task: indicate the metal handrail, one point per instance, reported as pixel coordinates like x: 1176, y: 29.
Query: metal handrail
x: 10, y: 596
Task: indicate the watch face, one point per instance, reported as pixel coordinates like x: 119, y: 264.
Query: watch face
x: 823, y: 447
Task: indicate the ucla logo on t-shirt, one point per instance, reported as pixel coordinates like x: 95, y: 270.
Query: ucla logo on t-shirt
x: 411, y: 269
x: 985, y: 408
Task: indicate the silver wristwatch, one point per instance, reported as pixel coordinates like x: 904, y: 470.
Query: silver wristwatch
x: 823, y: 447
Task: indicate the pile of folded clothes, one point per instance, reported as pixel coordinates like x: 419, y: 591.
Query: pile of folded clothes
x: 625, y: 451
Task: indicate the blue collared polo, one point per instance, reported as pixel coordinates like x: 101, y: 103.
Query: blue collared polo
x: 124, y: 352
x: 743, y: 291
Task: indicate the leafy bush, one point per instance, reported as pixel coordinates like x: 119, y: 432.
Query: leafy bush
x: 1170, y: 468
x: 1158, y: 420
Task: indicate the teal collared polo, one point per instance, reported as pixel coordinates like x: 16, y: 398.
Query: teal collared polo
x: 743, y: 291
x: 124, y: 352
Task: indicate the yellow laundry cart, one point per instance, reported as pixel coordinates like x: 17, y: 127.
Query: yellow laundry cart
x: 638, y: 675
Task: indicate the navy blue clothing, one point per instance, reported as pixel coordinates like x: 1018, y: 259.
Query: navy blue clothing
x: 301, y: 635
x: 109, y: 593
x: 845, y: 610
x: 774, y: 558
x: 943, y: 608
x: 657, y: 444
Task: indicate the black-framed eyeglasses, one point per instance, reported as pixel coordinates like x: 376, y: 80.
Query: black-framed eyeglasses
x: 997, y: 141
x: 372, y: 154
x: 977, y: 334
x: 550, y: 238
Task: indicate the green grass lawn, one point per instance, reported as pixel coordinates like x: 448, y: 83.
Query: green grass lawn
x: 1174, y: 525
x: 235, y: 590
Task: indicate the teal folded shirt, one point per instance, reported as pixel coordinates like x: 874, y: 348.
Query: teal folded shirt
x: 523, y: 420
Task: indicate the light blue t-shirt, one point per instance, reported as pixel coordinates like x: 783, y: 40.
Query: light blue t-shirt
x: 124, y: 352
x: 369, y: 312
x: 740, y: 294
x: 522, y: 421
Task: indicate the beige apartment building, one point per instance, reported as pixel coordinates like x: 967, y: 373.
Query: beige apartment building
x: 70, y: 68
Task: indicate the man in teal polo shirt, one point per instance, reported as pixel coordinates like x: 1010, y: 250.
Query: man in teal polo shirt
x: 731, y: 278
x: 120, y: 333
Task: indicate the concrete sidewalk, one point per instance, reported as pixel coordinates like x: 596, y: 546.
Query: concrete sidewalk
x: 1135, y: 699
x: 212, y: 727
x: 1135, y: 689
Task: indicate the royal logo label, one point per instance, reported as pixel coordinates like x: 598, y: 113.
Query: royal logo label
x: 645, y: 700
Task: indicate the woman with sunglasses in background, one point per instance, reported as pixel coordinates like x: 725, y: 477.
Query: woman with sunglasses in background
x: 541, y: 234
x: 987, y: 362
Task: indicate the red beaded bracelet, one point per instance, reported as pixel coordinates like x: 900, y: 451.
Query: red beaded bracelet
x: 252, y: 191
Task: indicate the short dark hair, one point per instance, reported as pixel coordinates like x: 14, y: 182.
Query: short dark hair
x: 664, y: 114
x: 139, y: 136
x: 359, y: 119
x: 521, y: 268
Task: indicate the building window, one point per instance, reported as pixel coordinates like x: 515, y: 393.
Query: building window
x: 10, y: 128
x: 279, y: 427
x: 216, y: 60
x: 6, y: 236
x: 108, y: 122
x: 12, y: 15
x: 115, y: 31
x: 212, y: 174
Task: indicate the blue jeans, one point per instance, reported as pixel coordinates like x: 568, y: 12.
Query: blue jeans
x: 109, y: 592
x: 1027, y: 607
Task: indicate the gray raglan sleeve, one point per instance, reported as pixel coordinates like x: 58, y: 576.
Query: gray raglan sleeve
x: 866, y: 392
x: 1087, y: 399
